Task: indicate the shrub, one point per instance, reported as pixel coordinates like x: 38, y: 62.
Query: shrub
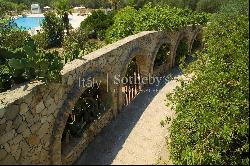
x: 123, y: 26
x: 27, y: 63
x: 212, y: 124
x: 10, y: 35
x: 6, y: 6
x: 15, y: 39
x: 241, y: 7
x: 77, y: 45
x: 128, y: 21
x: 93, y: 45
x: 74, y: 45
x: 41, y: 40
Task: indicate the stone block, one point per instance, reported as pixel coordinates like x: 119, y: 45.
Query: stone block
x: 12, y: 112
x: 9, y: 126
x: 33, y: 140
x: 6, y: 137
x: 22, y: 127
x: 17, y: 122
x: 44, y: 129
x: 6, y: 147
x: 17, y: 139
x: 23, y: 108
x: 26, y: 133
x: 2, y: 111
x: 15, y: 151
x: 25, y: 148
x: 2, y: 121
x: 40, y: 107
x: 9, y: 160
x: 70, y: 80
x: 35, y: 127
x: 17, y: 154
x: 3, y: 154
x: 2, y: 128
x: 49, y: 101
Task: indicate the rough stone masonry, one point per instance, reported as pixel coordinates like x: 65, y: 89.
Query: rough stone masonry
x: 33, y: 115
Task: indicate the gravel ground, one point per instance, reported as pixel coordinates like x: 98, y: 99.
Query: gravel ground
x: 135, y: 136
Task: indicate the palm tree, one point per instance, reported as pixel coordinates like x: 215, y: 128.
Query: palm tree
x: 63, y: 9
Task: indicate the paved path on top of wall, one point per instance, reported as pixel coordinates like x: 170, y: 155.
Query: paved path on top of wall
x: 135, y: 136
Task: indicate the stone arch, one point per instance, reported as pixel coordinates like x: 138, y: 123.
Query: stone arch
x: 62, y: 116
x: 197, y: 37
x: 185, y: 38
x: 163, y: 41
x: 142, y: 57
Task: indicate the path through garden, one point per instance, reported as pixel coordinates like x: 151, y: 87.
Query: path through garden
x: 136, y: 135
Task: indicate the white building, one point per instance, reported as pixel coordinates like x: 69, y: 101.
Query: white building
x: 35, y: 9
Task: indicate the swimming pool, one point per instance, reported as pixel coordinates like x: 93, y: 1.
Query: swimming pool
x: 28, y: 22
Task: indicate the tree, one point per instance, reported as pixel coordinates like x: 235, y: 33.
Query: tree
x: 98, y: 22
x: 53, y: 29
x: 64, y: 8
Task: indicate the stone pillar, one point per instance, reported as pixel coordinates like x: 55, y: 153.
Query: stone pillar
x: 115, y: 99
x: 172, y: 56
x: 119, y: 97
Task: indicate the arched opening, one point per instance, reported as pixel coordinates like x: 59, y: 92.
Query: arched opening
x: 162, y: 59
x: 131, y: 81
x: 182, y: 52
x: 133, y: 75
x: 197, y: 43
x: 92, y: 104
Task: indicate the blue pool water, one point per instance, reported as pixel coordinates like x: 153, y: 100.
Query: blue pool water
x: 29, y: 22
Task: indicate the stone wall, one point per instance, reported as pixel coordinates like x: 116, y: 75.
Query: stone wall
x: 33, y: 115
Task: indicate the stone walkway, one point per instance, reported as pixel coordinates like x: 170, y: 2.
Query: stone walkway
x: 135, y: 136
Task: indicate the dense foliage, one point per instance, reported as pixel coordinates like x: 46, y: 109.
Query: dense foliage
x: 212, y: 124
x: 98, y: 22
x: 10, y: 35
x: 21, y: 60
x: 77, y: 44
x: 7, y: 7
x: 27, y: 63
x: 74, y: 45
x: 129, y: 21
x: 124, y: 25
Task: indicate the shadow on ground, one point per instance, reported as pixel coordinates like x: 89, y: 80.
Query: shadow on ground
x: 106, y: 145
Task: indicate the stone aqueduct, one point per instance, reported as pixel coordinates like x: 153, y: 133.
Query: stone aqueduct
x: 33, y: 115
